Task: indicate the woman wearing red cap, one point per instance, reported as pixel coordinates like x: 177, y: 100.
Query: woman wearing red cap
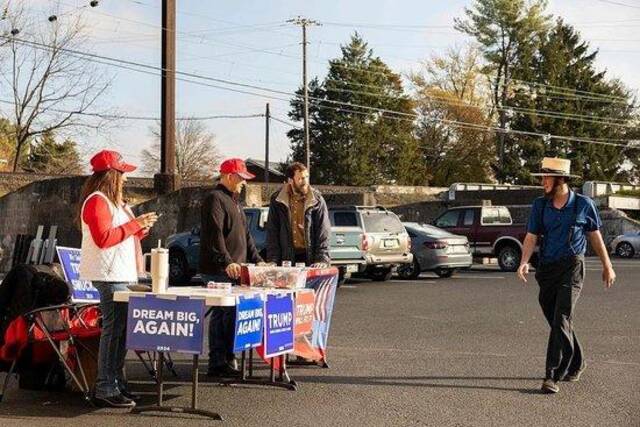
x: 111, y: 259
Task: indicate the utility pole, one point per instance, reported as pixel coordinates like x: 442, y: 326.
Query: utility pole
x: 303, y: 22
x: 267, y: 117
x: 167, y: 181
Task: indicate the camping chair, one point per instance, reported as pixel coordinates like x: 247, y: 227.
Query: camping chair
x: 53, y: 334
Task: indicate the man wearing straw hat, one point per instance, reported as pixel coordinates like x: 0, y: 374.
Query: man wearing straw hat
x: 561, y: 222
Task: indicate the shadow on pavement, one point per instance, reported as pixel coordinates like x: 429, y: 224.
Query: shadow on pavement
x: 30, y: 404
x: 422, y: 381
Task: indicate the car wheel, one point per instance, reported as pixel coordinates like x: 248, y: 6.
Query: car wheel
x: 409, y: 271
x: 178, y: 269
x: 625, y: 250
x: 444, y: 272
x: 381, y: 274
x: 509, y: 258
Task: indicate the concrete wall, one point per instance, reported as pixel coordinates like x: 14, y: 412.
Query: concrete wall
x: 52, y: 202
x: 49, y: 202
x: 497, y: 197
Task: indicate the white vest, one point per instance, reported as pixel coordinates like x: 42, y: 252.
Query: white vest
x: 114, y: 264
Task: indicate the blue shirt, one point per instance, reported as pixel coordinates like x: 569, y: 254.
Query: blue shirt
x: 557, y: 223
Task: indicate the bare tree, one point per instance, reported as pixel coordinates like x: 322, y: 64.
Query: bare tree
x: 53, y: 86
x: 196, y: 153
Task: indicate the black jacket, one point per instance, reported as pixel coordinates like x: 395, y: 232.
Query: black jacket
x: 317, y: 228
x: 224, y: 236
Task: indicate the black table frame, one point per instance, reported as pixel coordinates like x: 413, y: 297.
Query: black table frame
x: 159, y: 407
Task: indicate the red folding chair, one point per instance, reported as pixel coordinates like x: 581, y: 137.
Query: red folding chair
x: 55, y: 333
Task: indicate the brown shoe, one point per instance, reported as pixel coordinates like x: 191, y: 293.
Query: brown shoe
x: 573, y: 377
x: 549, y: 386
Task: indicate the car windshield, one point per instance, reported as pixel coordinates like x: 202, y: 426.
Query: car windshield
x: 382, y: 222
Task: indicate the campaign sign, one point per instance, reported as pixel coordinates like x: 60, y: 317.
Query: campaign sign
x: 81, y: 290
x: 278, y: 330
x: 249, y: 323
x: 313, y: 345
x: 162, y: 324
x: 305, y: 303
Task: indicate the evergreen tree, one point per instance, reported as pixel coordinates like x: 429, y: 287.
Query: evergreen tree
x: 355, y: 145
x: 593, y: 108
x: 50, y: 157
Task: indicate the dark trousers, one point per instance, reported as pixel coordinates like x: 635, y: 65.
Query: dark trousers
x: 222, y: 323
x: 301, y: 256
x: 560, y: 286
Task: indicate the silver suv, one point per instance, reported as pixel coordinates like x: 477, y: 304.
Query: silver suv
x: 384, y: 241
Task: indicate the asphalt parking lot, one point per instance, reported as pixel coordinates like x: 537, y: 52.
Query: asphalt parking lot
x: 468, y: 350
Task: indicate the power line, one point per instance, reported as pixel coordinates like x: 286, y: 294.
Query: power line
x: 285, y: 122
x: 571, y: 91
x: 545, y: 113
x: 144, y: 118
x: 384, y: 112
x: 619, y: 4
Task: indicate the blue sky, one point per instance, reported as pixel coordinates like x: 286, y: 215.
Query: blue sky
x: 250, y: 42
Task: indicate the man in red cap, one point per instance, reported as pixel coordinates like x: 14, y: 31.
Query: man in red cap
x: 225, y: 243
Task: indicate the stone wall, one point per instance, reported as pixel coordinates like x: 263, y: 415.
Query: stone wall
x: 497, y: 197
x: 53, y: 201
x: 13, y: 181
x: 48, y: 202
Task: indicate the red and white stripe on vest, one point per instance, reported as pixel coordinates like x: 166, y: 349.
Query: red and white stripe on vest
x: 116, y: 263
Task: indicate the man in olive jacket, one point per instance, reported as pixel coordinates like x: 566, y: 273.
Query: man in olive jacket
x: 298, y: 228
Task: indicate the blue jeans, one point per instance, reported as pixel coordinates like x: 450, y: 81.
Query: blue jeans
x: 222, y: 325
x: 112, y: 350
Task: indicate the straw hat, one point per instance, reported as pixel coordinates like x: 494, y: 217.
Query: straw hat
x: 554, y: 166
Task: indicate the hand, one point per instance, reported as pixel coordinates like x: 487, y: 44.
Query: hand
x: 233, y: 270
x: 608, y: 277
x: 147, y: 220
x: 523, y: 270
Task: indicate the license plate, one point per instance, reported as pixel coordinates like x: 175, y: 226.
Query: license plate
x: 352, y: 268
x: 390, y: 243
x: 457, y: 249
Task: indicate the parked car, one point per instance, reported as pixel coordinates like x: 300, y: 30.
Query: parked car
x: 626, y: 245
x: 184, y: 248
x: 435, y: 250
x: 490, y: 231
x: 384, y: 242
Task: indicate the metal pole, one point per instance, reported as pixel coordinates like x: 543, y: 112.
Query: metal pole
x: 166, y: 180
x: 303, y: 22
x: 266, y: 148
x: 306, y: 96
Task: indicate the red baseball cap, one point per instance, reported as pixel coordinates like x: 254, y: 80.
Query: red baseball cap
x: 107, y: 159
x: 236, y: 166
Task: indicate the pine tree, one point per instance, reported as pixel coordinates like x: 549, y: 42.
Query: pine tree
x: 50, y: 157
x: 355, y: 145
x: 593, y: 108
